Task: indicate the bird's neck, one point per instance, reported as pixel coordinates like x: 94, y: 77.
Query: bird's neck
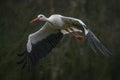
x: 48, y: 20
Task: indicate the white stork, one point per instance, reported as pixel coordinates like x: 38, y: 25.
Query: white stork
x: 40, y: 43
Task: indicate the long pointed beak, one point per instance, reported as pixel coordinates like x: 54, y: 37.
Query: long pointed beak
x: 35, y: 20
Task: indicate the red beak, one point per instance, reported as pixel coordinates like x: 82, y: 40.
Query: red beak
x: 35, y: 20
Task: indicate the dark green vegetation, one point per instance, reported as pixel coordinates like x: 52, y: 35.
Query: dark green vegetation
x: 71, y: 59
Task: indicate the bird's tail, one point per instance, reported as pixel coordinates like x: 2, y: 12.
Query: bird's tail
x: 96, y: 44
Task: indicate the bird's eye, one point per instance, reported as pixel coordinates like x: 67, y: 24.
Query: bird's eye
x: 41, y: 16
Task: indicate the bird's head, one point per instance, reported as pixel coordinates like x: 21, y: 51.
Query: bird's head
x: 40, y: 17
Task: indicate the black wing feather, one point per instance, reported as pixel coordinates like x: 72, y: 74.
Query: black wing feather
x: 96, y: 44
x: 40, y: 50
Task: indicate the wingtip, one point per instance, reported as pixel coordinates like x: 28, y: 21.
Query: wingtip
x: 96, y: 45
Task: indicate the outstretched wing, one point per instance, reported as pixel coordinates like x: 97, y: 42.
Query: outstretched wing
x: 93, y: 41
x: 40, y: 49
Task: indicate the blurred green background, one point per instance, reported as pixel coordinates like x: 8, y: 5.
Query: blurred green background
x: 71, y: 59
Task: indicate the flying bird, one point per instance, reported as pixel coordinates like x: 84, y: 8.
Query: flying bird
x: 41, y: 42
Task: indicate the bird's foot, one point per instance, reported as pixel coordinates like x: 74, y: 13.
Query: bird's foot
x: 79, y: 37
x: 76, y: 35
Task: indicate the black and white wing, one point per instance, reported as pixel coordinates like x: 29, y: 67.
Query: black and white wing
x: 39, y: 45
x: 93, y: 41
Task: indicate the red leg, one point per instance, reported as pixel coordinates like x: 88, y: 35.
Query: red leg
x: 76, y: 35
x: 79, y: 37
